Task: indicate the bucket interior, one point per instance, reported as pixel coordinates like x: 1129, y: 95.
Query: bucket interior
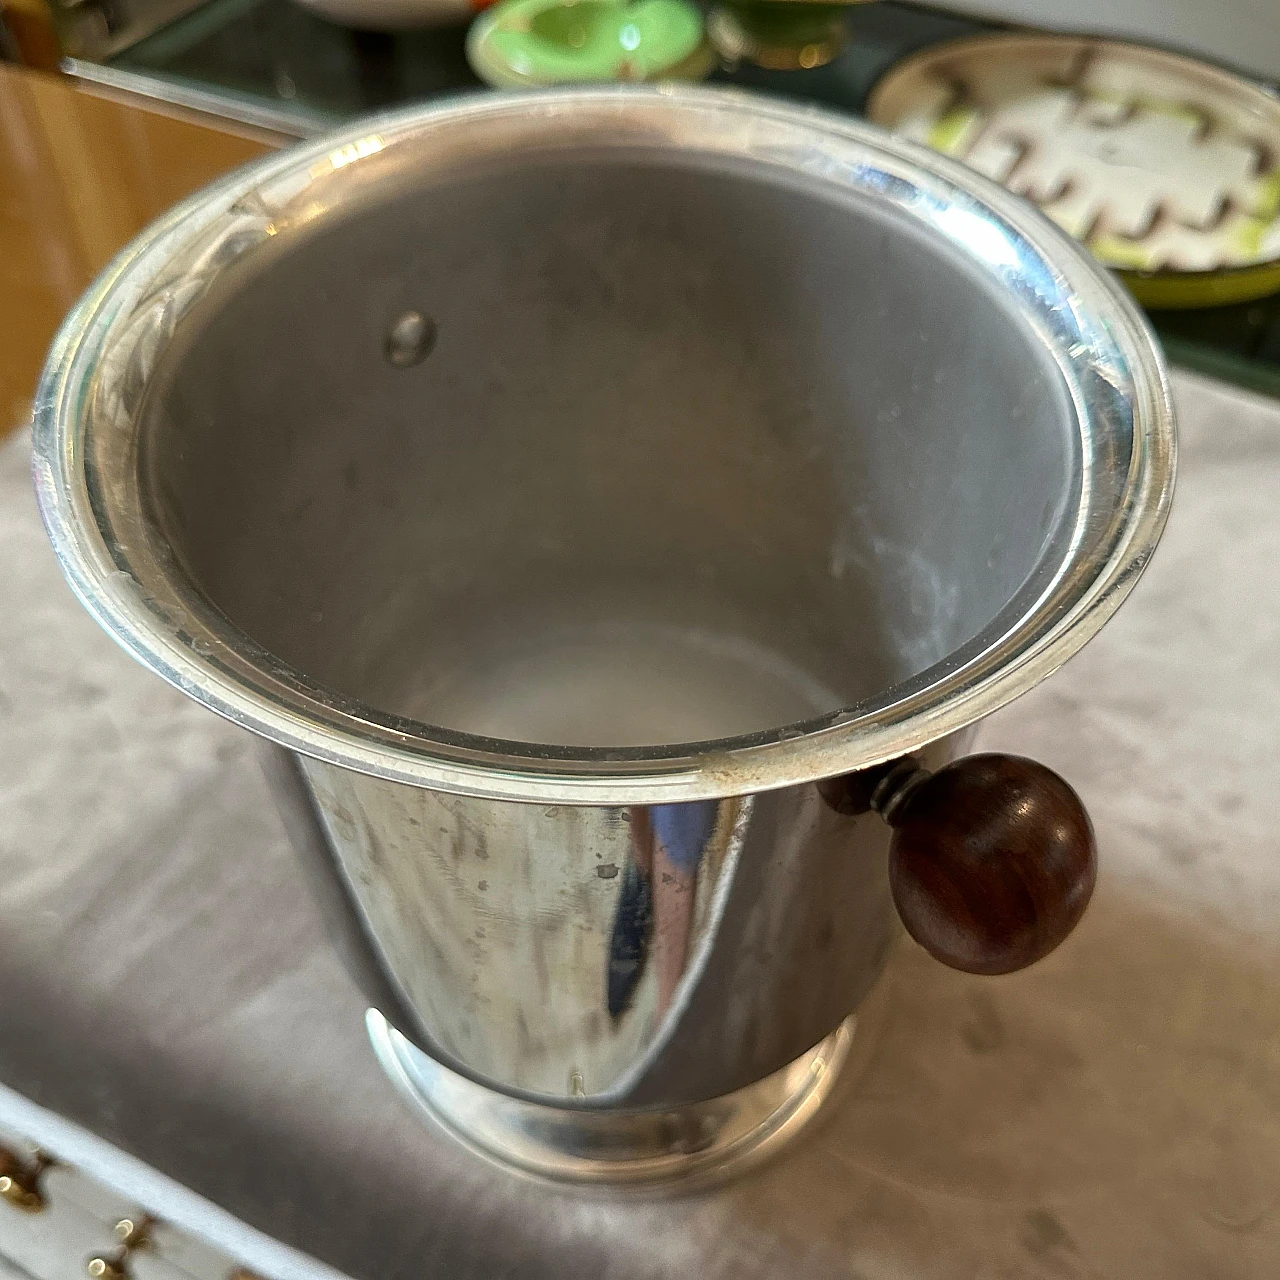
x: 700, y: 450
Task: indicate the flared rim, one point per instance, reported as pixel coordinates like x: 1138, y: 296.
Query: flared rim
x: 88, y: 396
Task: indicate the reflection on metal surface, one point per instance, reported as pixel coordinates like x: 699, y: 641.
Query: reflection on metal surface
x: 357, y: 150
x: 629, y: 957
x: 629, y: 943
x: 705, y: 1140
x: 655, y: 905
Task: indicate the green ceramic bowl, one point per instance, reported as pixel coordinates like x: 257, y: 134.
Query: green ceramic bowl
x: 529, y: 43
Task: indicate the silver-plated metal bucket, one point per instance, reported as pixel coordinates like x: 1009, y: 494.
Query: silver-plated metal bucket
x: 569, y: 483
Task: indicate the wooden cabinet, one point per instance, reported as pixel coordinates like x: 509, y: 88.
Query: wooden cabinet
x: 79, y: 176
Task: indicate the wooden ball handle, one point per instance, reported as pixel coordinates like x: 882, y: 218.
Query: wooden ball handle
x: 992, y: 860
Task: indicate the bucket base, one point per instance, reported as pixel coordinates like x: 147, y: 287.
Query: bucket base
x: 709, y: 1139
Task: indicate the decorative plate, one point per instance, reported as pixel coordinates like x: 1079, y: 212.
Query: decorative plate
x: 1167, y: 168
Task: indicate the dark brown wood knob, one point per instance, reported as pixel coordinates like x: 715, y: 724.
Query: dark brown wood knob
x: 992, y: 862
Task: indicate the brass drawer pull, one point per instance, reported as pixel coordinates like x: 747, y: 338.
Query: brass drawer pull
x: 107, y: 1267
x: 134, y: 1235
x: 20, y: 1180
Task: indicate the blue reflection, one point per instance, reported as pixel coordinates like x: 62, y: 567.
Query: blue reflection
x: 654, y: 916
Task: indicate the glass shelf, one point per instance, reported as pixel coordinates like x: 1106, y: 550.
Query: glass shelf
x: 275, y: 64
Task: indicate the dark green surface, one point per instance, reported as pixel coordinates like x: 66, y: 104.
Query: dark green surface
x: 286, y: 56
x: 277, y: 53
x: 283, y: 55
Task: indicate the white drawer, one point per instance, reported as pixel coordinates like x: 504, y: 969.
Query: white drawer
x: 81, y: 1219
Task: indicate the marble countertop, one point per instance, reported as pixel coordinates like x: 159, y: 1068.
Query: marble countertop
x: 1112, y: 1112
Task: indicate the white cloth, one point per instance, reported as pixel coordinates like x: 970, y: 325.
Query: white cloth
x: 1113, y: 1111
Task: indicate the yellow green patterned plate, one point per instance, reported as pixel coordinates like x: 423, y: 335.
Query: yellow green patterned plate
x: 1167, y: 168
